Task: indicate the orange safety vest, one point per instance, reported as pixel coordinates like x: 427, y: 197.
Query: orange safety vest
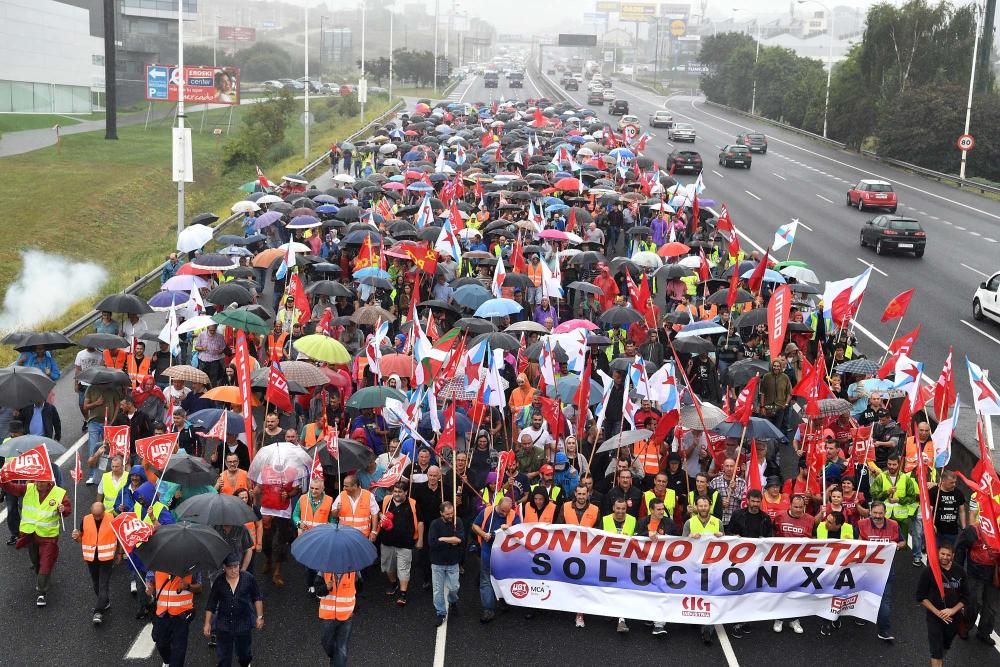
x: 98, y: 542
x: 322, y: 514
x: 535, y: 273
x: 910, y: 460
x: 648, y: 454
x: 115, y: 358
x: 413, y: 511
x: 137, y: 371
x: 229, y: 488
x: 338, y: 603
x: 169, y: 598
x: 531, y: 514
x: 487, y: 512
x: 276, y: 347
x: 310, y: 435
x: 590, y: 515
x: 357, y: 516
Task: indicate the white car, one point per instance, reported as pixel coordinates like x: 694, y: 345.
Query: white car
x: 609, y: 95
x: 661, y: 117
x: 681, y: 132
x: 986, y: 302
x: 628, y: 120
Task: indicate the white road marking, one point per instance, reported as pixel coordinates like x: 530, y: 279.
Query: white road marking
x: 467, y: 89
x: 980, y: 331
x: 142, y: 648
x: 829, y: 201
x: 717, y: 174
x: 987, y: 238
x: 752, y: 195
x: 805, y: 226
x: 874, y: 268
x: 59, y: 462
x: 948, y: 223
x: 960, y: 228
x: 779, y: 176
x: 974, y: 270
x: 975, y: 233
x: 726, y: 646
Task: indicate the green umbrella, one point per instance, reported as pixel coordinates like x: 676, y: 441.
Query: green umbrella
x: 249, y: 187
x: 791, y: 262
x: 374, y: 397
x: 241, y: 319
x: 323, y: 348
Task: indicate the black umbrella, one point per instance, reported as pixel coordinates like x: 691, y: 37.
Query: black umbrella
x: 587, y: 258
x: 181, y: 548
x: 587, y: 288
x: 752, y: 318
x: 499, y: 340
x: 761, y: 429
x: 639, y: 230
x: 623, y: 364
x: 672, y: 271
x: 803, y: 288
x: 619, y: 317
x: 188, y: 470
x: 228, y: 293
x: 330, y: 288
x: 534, y: 352
x: 102, y: 375
x: 215, y: 509
x: 679, y: 317
x: 739, y: 373
x: 21, y: 386
x: 103, y: 341
x: 120, y: 302
x: 21, y: 444
x: 50, y: 340
x: 204, y: 219
x: 325, y: 267
x: 240, y: 272
x: 475, y: 325
x: 353, y: 455
x: 438, y: 303
x: 517, y: 280
x: 693, y: 345
x: 722, y: 296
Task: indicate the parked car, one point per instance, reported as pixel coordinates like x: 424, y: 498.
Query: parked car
x: 661, y: 117
x: 273, y: 84
x: 681, y: 132
x: 986, y: 300
x: 620, y: 108
x: 735, y: 155
x: 893, y: 232
x: 595, y: 97
x: 755, y: 141
x: 686, y: 161
x: 872, y: 194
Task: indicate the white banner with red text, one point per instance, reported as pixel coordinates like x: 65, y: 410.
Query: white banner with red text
x: 703, y: 580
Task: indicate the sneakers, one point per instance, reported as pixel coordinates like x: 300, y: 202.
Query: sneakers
x: 886, y: 636
x: 825, y: 630
x: 796, y: 627
x: 778, y: 626
x: 97, y: 619
x: 212, y: 640
x: 389, y: 592
x: 132, y: 588
x: 439, y: 620
x: 659, y: 629
x: 487, y: 616
x: 918, y: 562
x: 860, y: 622
x: 401, y: 600
x: 622, y: 626
x: 107, y: 607
x: 311, y: 590
x: 90, y: 482
x: 12, y: 540
x: 40, y: 601
x: 580, y: 623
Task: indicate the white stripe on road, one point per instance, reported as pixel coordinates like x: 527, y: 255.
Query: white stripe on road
x: 980, y: 331
x: 439, y: 643
x: 752, y: 195
x: 726, y: 646
x: 779, y: 176
x: 829, y: 201
x: 143, y: 646
x: 717, y: 174
x: 984, y: 275
x: 59, y: 462
x: 805, y: 226
x: 874, y: 268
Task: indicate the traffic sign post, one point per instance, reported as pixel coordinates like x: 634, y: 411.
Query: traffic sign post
x: 966, y: 142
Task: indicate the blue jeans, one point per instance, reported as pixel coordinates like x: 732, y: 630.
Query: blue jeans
x: 95, y: 437
x: 884, y: 619
x: 917, y: 536
x: 336, y: 635
x: 487, y: 598
x: 441, y: 576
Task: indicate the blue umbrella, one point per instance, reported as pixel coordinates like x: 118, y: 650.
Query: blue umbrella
x: 472, y: 296
x: 702, y: 328
x: 413, y: 156
x: 331, y: 547
x: 304, y: 222
x: 621, y: 152
x: 266, y: 220
x: 463, y: 424
x: 498, y: 308
x: 567, y: 387
x: 576, y: 139
x: 206, y: 419
x: 419, y: 187
x: 563, y: 174
x: 327, y: 208
x: 372, y: 272
x: 555, y: 208
x: 761, y: 429
x: 168, y: 299
x: 552, y: 201
x: 357, y: 237
x: 325, y: 199
x: 770, y: 276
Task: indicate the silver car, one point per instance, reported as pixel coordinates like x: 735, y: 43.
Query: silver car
x: 681, y: 132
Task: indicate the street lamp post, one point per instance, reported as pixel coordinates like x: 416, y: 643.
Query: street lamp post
x: 322, y: 40
x: 437, y: 23
x: 829, y: 61
x: 972, y: 83
x: 392, y: 19
x: 179, y: 143
x: 305, y: 115
x: 756, y: 57
x: 364, y: 28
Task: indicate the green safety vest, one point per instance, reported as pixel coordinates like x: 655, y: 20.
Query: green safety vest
x: 696, y: 527
x: 153, y: 513
x: 669, y: 500
x: 691, y: 282
x: 608, y: 525
x: 39, y: 517
x: 110, y: 490
x: 897, y: 510
x: 846, y: 531
x: 691, y: 499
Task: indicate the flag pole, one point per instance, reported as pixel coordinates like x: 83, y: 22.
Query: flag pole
x: 899, y: 322
x: 78, y: 471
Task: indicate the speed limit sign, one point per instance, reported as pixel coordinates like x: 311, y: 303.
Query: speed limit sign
x: 631, y: 131
x: 966, y: 142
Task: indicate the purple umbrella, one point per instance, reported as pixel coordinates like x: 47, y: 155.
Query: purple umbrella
x: 266, y: 220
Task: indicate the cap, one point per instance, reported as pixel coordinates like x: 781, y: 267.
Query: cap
x: 828, y: 434
x: 881, y: 413
x: 232, y: 559
x: 772, y: 481
x: 547, y: 469
x: 673, y: 457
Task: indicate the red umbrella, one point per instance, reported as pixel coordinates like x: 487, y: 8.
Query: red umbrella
x: 338, y: 378
x: 188, y: 270
x: 570, y: 325
x: 567, y: 183
x: 402, y: 365
x: 673, y: 249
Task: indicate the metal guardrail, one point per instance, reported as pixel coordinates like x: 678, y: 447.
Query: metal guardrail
x: 961, y: 183
x: 556, y: 92
x: 85, y: 321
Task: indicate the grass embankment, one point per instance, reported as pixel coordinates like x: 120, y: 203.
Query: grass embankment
x: 114, y: 203
x: 15, y: 122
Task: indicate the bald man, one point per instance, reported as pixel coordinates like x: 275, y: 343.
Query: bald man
x: 100, y: 552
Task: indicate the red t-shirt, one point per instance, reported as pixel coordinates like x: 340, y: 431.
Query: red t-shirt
x: 773, y: 509
x: 887, y: 533
x: 785, y: 525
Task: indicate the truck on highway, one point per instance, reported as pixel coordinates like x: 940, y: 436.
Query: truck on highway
x: 491, y: 79
x: 516, y: 80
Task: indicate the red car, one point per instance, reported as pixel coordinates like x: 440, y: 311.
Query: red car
x: 872, y: 194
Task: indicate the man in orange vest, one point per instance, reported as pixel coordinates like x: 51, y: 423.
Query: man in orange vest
x: 276, y: 343
x: 116, y: 358
x: 137, y: 364
x: 336, y: 609
x: 357, y: 508
x: 174, y: 598
x: 580, y: 511
x: 402, y: 532
x: 312, y: 509
x: 100, y: 553
x: 923, y: 443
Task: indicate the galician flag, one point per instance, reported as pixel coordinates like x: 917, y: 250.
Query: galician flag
x: 785, y: 235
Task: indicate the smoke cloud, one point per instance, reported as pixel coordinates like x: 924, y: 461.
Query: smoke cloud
x: 46, y: 288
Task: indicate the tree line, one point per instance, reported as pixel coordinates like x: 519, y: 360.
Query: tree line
x: 900, y: 92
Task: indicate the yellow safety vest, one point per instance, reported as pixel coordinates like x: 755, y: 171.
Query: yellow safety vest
x: 39, y: 517
x: 111, y: 490
x: 691, y: 499
x: 669, y: 500
x: 608, y: 525
x: 553, y: 492
x: 846, y: 531
x: 696, y: 527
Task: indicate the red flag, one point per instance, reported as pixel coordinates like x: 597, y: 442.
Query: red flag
x: 243, y: 372
x: 639, y: 295
x: 989, y: 512
x: 734, y: 282
x: 333, y: 445
x: 77, y: 473
x: 743, y: 409
x: 695, y: 213
x: 130, y: 530
x: 725, y: 223
x: 277, y: 389
x: 704, y: 270
x: 927, y: 517
x: 571, y: 221
x: 863, y: 450
x: 944, y: 389
x: 118, y: 439
x: 897, y: 307
x: 393, y: 474
x: 262, y: 179
x: 219, y: 429
x: 888, y: 366
x: 316, y: 470
x: 455, y: 217
x: 670, y: 171
x: 522, y: 356
x: 582, y: 399
x: 665, y: 424
x: 778, y: 310
x: 486, y: 139
x: 553, y: 415
x: 447, y: 438
x: 984, y: 468
x: 517, y: 261
x: 906, y: 342
x: 158, y: 449
x: 816, y: 459
x: 301, y: 299
x: 756, y: 280
x: 734, y: 248
x: 32, y: 466
x: 753, y: 473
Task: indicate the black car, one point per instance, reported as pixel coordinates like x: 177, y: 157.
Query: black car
x: 755, y: 141
x: 618, y: 108
x: 686, y: 161
x: 516, y: 80
x: 893, y: 232
x: 735, y: 155
x: 595, y: 97
x: 571, y: 84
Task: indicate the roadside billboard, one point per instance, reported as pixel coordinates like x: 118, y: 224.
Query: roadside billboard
x: 235, y: 33
x: 206, y: 85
